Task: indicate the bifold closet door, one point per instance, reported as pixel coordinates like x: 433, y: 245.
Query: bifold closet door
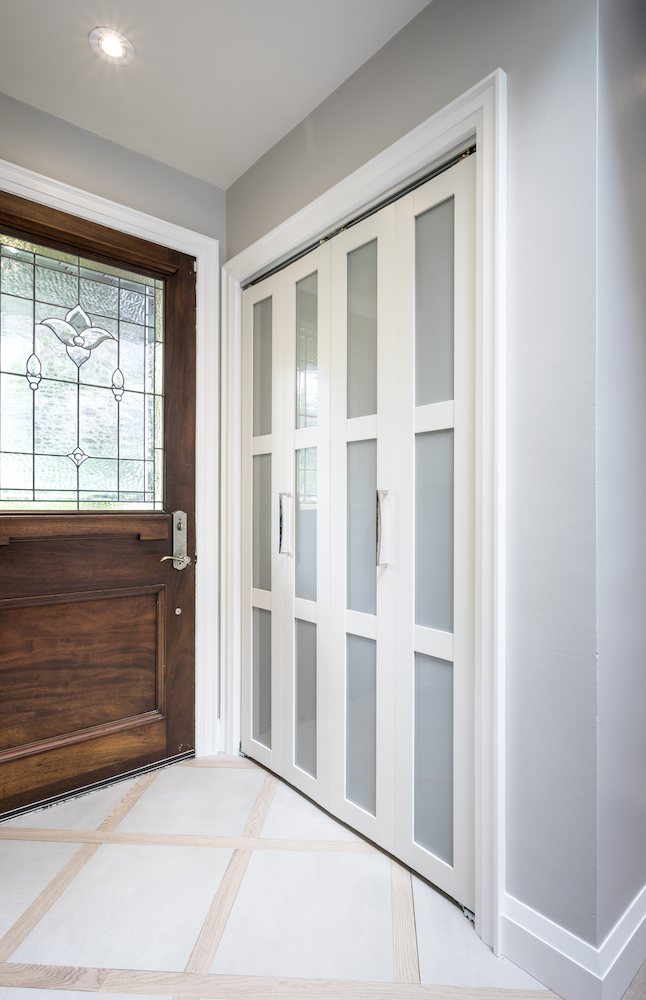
x: 363, y: 462
x: 435, y: 573
x: 286, y: 557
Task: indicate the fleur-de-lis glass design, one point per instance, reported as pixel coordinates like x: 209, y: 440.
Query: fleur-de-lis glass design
x: 33, y: 371
x: 78, y: 334
x: 118, y: 384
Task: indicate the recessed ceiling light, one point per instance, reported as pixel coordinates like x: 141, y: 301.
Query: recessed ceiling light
x: 111, y: 45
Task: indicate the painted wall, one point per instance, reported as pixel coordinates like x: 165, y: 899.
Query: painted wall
x: 549, y: 51
x: 622, y: 456
x: 56, y: 148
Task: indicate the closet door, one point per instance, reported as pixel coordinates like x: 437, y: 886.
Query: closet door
x: 435, y: 526
x: 362, y: 457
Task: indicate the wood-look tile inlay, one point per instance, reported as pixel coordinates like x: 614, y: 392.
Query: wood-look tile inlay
x: 216, y: 919
x: 26, y: 922
x: 405, y: 956
x: 215, y: 987
x: 187, y: 840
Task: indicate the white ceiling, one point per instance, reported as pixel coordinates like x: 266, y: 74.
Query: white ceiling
x: 215, y: 82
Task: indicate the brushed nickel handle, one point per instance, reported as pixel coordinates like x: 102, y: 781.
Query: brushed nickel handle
x: 180, y: 559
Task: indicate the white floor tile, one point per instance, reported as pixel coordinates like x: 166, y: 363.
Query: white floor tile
x: 129, y: 908
x: 82, y: 813
x: 311, y: 915
x: 450, y: 951
x: 25, y: 870
x: 215, y: 801
x: 293, y: 817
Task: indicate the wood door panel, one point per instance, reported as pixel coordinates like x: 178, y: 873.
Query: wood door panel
x: 71, y: 666
x: 97, y: 677
x: 44, y: 774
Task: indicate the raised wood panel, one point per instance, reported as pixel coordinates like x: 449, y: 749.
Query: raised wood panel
x: 71, y: 666
x: 48, y: 773
x: 22, y: 528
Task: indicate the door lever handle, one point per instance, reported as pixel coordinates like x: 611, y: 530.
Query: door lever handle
x: 184, y: 560
x: 179, y: 557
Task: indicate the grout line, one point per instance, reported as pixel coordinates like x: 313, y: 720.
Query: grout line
x: 186, y: 840
x: 215, y: 987
x: 212, y: 929
x: 26, y: 922
x: 405, y: 953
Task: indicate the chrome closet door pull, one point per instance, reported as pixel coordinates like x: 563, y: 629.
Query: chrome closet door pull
x: 380, y: 561
x: 286, y: 504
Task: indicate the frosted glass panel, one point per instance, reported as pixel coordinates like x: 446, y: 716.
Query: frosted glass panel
x: 306, y: 502
x: 362, y: 531
x: 307, y: 351
x: 262, y: 367
x: 81, y: 383
x: 361, y: 723
x: 434, y: 755
x: 362, y: 330
x: 434, y: 305
x: 305, y: 749
x: 434, y: 530
x: 261, y: 728
x: 262, y: 522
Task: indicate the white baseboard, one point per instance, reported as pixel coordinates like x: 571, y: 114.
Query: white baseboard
x: 571, y: 967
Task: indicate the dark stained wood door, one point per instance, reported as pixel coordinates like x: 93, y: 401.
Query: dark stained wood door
x: 96, y: 633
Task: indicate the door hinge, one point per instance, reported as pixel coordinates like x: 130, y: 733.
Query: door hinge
x: 241, y: 752
x: 469, y: 914
x: 195, y: 265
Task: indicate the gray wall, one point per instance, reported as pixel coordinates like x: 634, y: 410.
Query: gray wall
x: 56, y: 148
x: 622, y: 456
x: 549, y: 50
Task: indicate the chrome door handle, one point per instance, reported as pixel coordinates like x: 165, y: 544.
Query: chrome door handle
x: 179, y: 557
x: 379, y: 527
x: 285, y: 513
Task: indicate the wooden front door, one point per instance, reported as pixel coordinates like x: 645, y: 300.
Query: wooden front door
x: 97, y: 449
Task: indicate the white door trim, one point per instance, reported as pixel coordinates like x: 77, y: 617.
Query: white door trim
x: 55, y: 194
x: 480, y: 111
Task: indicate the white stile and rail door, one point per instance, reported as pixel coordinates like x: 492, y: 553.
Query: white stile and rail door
x: 359, y: 526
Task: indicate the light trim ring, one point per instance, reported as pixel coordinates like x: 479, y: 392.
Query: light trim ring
x: 99, y: 36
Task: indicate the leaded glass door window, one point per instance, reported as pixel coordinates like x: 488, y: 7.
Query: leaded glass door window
x: 81, y: 383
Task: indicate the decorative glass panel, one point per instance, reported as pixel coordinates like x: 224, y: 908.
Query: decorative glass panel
x: 434, y: 530
x: 307, y: 351
x: 261, y: 727
x: 306, y: 539
x: 305, y: 736
x: 362, y: 330
x: 361, y: 723
x: 262, y: 522
x: 81, y: 386
x: 262, y: 327
x: 434, y: 755
x: 362, y: 530
x: 434, y: 305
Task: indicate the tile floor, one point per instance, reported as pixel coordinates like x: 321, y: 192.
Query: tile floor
x: 213, y: 879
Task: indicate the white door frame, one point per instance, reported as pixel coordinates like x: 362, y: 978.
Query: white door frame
x: 482, y: 111
x: 55, y: 194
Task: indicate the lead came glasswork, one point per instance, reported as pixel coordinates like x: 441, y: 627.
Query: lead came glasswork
x: 81, y: 390
x: 434, y: 755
